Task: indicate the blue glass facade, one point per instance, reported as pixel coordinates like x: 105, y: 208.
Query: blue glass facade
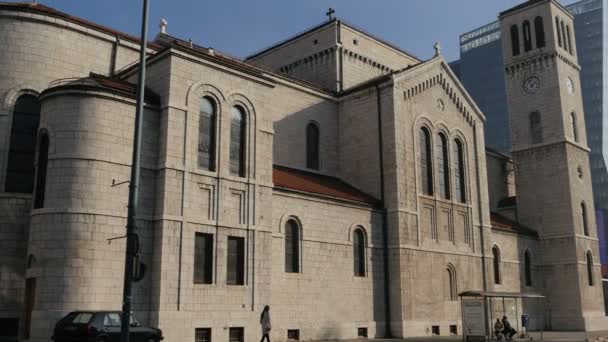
x: 480, y: 71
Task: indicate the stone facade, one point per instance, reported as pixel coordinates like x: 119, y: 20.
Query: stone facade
x: 370, y: 102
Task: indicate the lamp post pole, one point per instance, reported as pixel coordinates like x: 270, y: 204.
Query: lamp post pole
x: 132, y: 244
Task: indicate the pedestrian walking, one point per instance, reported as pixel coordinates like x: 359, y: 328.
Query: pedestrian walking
x: 508, y: 330
x: 265, y: 323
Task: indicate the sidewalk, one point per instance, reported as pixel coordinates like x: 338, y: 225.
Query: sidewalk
x: 549, y: 336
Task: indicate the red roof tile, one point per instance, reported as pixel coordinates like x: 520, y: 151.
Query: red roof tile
x: 112, y: 84
x: 502, y: 223
x: 288, y: 178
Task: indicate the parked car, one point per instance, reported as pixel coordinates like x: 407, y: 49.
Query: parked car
x: 100, y: 326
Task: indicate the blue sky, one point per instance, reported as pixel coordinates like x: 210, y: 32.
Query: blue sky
x: 241, y: 27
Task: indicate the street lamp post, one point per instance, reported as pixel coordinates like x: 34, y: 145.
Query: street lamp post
x: 132, y: 244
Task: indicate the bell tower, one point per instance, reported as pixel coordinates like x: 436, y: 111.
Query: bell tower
x: 551, y: 156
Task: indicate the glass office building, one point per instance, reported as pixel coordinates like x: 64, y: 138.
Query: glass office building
x: 480, y: 71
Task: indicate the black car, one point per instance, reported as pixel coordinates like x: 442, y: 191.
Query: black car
x: 100, y: 326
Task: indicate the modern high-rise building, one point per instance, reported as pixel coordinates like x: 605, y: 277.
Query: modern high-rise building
x: 480, y: 69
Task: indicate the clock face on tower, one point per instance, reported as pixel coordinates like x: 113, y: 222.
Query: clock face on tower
x: 570, y: 86
x: 531, y: 85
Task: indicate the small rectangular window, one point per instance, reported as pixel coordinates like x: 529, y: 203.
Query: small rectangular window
x: 362, y: 332
x: 203, y: 258
x: 83, y: 318
x: 435, y: 330
x: 236, y: 261
x: 453, y: 329
x: 202, y: 335
x: 293, y: 334
x: 237, y: 335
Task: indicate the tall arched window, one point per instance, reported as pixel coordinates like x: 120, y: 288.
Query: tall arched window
x: 527, y: 36
x: 22, y: 145
x: 359, y: 252
x: 558, y: 32
x: 312, y: 146
x: 574, y: 126
x: 563, y: 30
x: 590, y: 267
x: 584, y: 218
x: 452, y: 284
x: 539, y: 28
x: 536, y: 128
x: 426, y: 162
x: 496, y: 262
x: 569, y: 37
x: 237, y: 142
x: 459, y: 171
x: 43, y: 156
x: 292, y: 247
x: 515, y: 40
x: 443, y: 165
x: 206, y: 134
x: 527, y: 268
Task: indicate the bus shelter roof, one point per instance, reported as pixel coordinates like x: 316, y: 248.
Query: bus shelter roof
x: 492, y: 294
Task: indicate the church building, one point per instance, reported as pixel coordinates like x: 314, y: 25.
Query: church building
x: 334, y: 176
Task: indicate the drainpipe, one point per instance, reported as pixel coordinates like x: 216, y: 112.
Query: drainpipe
x: 479, y: 211
x: 481, y: 232
x: 387, y: 301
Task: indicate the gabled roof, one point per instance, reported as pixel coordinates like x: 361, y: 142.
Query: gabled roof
x: 323, y: 25
x: 304, y: 181
x: 500, y: 222
x: 38, y: 8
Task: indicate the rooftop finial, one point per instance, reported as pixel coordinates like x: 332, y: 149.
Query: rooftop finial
x: 330, y: 13
x: 163, y: 25
x: 437, y: 47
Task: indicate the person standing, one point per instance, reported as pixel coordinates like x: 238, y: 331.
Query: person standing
x: 265, y: 323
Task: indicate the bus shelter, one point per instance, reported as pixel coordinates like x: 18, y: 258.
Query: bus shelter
x: 477, y: 308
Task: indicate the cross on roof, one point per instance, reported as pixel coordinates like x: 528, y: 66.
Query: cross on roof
x: 330, y: 13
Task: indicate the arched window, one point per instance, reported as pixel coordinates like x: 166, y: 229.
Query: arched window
x: 452, y: 288
x: 496, y: 262
x: 515, y: 40
x: 527, y: 36
x: 206, y: 134
x: 359, y: 252
x: 527, y: 268
x: 568, y: 35
x: 574, y: 126
x: 536, y: 128
x: 559, y: 32
x: 426, y: 162
x: 539, y: 28
x: 563, y: 30
x: 43, y: 157
x: 292, y: 247
x: 443, y: 165
x: 584, y: 218
x: 237, y: 142
x: 22, y: 145
x: 590, y: 267
x: 312, y: 146
x: 459, y: 171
